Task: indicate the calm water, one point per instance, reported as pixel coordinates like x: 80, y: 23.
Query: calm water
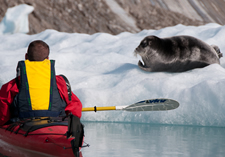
x: 146, y: 140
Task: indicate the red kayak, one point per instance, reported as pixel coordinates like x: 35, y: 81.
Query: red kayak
x: 44, y: 136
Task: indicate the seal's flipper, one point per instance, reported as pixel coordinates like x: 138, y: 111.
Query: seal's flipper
x: 217, y: 49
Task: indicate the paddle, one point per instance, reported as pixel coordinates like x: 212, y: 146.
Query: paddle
x: 146, y: 105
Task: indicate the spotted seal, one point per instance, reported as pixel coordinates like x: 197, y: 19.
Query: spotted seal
x: 176, y: 54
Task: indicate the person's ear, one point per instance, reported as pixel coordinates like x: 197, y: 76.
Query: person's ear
x: 26, y: 56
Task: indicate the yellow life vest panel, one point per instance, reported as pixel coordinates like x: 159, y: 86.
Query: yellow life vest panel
x: 39, y: 79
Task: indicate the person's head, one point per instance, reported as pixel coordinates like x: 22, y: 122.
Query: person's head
x: 37, y: 51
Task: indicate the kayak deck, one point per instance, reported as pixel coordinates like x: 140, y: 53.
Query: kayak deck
x: 40, y: 135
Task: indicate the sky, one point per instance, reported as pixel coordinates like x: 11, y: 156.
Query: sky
x: 103, y: 71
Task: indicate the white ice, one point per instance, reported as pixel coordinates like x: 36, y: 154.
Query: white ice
x: 103, y: 71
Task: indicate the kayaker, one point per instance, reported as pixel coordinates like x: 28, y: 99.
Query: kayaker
x: 37, y: 91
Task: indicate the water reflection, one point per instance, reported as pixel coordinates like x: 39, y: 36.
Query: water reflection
x: 144, y: 140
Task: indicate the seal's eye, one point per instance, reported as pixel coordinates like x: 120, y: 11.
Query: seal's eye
x: 144, y: 44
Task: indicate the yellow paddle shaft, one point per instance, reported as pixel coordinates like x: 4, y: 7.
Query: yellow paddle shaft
x: 106, y: 108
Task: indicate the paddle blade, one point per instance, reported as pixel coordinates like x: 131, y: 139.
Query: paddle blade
x: 153, y: 105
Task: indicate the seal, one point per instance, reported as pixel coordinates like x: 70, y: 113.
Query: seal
x: 176, y: 54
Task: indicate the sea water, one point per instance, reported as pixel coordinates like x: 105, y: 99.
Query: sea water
x: 108, y: 139
x: 152, y: 140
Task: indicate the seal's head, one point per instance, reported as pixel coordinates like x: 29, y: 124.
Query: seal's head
x: 146, y: 49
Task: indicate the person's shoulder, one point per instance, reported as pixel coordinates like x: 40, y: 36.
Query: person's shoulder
x: 11, y: 84
x: 60, y: 79
x: 13, y: 81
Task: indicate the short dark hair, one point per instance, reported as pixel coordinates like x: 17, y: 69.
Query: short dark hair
x: 37, y: 50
